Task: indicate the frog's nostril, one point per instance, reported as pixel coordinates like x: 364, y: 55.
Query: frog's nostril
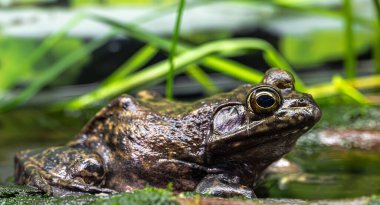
x: 299, y: 103
x: 303, y: 103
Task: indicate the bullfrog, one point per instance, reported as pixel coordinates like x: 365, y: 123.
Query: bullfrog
x: 218, y: 145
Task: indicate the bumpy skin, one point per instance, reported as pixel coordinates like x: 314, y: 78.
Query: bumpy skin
x: 218, y: 145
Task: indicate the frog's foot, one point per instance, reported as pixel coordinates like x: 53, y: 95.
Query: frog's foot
x: 61, y: 187
x: 53, y: 186
x: 28, y: 171
x: 81, y: 186
x: 32, y: 176
x: 219, y: 185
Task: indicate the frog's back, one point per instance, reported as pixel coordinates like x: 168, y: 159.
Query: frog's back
x: 131, y: 128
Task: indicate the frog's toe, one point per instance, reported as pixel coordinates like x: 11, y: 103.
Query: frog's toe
x: 102, y: 190
x: 32, y: 177
x: 108, y: 191
x: 98, y: 190
x: 37, y: 181
x: 83, y: 187
x: 227, y: 191
x: 213, y: 185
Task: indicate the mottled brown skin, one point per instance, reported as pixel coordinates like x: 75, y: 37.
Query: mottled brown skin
x: 219, y: 145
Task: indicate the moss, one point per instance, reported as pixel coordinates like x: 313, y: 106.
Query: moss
x: 14, y: 194
x: 8, y: 191
x: 68, y: 200
x: 146, y: 196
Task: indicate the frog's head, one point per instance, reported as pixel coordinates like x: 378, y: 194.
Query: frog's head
x: 270, y: 112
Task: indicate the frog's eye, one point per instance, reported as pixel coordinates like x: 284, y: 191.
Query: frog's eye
x: 263, y: 100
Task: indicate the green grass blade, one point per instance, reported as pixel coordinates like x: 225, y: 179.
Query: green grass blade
x: 346, y: 89
x: 139, y: 59
x: 202, y: 78
x: 135, y: 32
x: 233, y: 69
x: 159, y: 70
x: 225, y: 66
x: 172, y: 52
x: 52, y: 73
x: 350, y: 54
x: 376, y: 47
x: 325, y: 90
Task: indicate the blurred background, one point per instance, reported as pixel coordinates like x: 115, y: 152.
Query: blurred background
x: 62, y: 60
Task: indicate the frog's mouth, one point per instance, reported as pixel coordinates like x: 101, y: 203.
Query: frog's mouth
x: 234, y: 129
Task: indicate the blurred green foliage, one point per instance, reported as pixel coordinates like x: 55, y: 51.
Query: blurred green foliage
x: 320, y: 46
x: 118, y: 2
x: 14, y: 51
x: 27, y: 65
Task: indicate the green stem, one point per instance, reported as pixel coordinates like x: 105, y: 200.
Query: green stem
x: 202, y: 78
x: 344, y: 88
x: 136, y: 61
x: 350, y: 56
x: 329, y: 89
x: 376, y: 47
x: 170, y: 77
x: 377, y: 7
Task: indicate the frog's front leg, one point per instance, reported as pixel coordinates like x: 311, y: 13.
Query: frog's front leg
x: 27, y: 173
x: 223, y: 185
x: 61, y: 170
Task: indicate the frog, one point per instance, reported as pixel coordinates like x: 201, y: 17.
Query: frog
x: 219, y: 145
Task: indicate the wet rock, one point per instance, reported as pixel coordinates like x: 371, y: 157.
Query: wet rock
x: 350, y: 139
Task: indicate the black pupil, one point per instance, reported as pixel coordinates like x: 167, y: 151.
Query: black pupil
x: 265, y: 101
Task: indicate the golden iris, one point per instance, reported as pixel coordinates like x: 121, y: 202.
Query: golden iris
x: 264, y: 99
